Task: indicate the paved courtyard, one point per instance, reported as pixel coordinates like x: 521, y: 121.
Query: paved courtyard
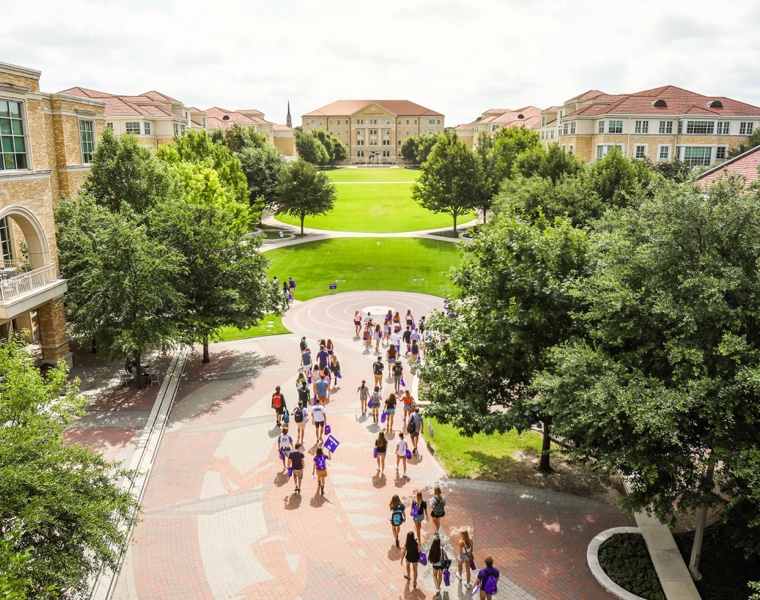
x: 221, y: 520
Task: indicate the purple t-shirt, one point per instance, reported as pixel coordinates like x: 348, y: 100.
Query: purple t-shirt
x: 484, y: 574
x: 323, y: 356
x: 321, y: 462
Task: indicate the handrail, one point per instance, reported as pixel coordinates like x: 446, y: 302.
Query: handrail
x: 27, y: 282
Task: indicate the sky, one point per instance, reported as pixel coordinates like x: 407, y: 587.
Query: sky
x: 458, y: 57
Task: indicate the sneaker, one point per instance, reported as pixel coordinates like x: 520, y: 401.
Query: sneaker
x: 459, y: 576
x: 378, y: 469
x: 467, y: 585
x: 397, y: 544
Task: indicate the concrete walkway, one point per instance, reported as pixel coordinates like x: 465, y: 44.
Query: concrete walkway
x: 221, y: 520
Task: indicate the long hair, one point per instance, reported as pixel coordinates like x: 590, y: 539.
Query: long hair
x: 437, y: 493
x: 411, y: 541
x: 395, y: 501
x: 466, y: 540
x: 418, y: 497
x: 434, y: 554
x: 381, y: 439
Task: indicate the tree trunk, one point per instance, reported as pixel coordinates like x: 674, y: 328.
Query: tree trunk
x: 699, y: 533
x: 138, y: 372
x: 485, y: 211
x: 544, y: 465
x: 455, y: 223
x: 205, y: 349
x: 303, y: 217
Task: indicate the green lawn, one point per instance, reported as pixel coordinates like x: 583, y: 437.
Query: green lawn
x: 262, y: 329
x: 366, y: 264
x: 376, y: 201
x: 481, y: 456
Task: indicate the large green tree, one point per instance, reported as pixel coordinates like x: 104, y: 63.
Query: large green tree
x: 417, y: 149
x: 664, y: 388
x: 62, y: 515
x: 304, y: 191
x: 451, y: 180
x: 336, y: 150
x: 508, y: 144
x: 310, y: 149
x: 514, y: 306
x: 752, y: 142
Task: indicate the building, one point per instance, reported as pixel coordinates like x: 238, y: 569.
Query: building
x: 47, y: 143
x: 660, y: 124
x: 746, y: 164
x: 374, y: 130
x: 153, y: 117
x: 494, y: 119
x: 281, y: 136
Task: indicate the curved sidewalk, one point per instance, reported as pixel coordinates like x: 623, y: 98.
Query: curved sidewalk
x: 221, y: 520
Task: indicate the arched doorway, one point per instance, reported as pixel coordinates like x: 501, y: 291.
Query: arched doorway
x: 35, y: 238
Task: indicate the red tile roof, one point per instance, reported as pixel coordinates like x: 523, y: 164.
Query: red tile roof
x: 125, y: 106
x: 745, y: 164
x: 159, y: 97
x: 396, y: 107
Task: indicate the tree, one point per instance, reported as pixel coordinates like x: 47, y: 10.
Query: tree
x: 417, y: 149
x: 409, y: 149
x: 336, y: 150
x: 508, y: 144
x: 223, y: 285
x: 61, y: 510
x: 514, y: 306
x: 304, y: 191
x: 617, y: 179
x: 553, y: 163
x: 451, y: 180
x: 752, y: 142
x: 123, y: 171
x: 664, y: 386
x: 310, y: 149
x: 123, y: 283
x: 677, y: 170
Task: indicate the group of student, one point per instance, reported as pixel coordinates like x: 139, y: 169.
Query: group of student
x: 390, y: 334
x: 411, y: 552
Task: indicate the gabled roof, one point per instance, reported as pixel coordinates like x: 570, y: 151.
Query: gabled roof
x: 119, y: 105
x: 85, y: 93
x: 159, y: 97
x: 349, y: 107
x: 221, y: 118
x: 745, y: 164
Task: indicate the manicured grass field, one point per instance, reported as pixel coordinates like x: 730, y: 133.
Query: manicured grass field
x: 481, y: 456
x: 366, y: 264
x: 376, y: 201
x: 262, y: 329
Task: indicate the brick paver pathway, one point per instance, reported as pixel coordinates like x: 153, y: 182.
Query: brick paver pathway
x: 221, y: 520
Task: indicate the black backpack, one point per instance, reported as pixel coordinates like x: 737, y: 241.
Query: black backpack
x: 397, y: 517
x: 303, y: 394
x: 298, y: 415
x: 411, y: 428
x: 377, y: 368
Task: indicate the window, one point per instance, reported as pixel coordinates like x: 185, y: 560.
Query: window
x: 704, y: 127
x: 564, y: 129
x: 437, y: 121
x: 320, y: 121
x: 338, y: 122
x: 133, y: 127
x: 146, y: 128
x: 87, y: 140
x: 415, y: 121
x: 330, y: 122
x: 386, y: 153
x: 386, y: 121
x: 347, y: 132
x: 373, y: 142
x: 386, y: 131
x: 552, y: 134
x: 399, y: 142
x: 360, y: 153
x: 373, y: 121
x: 641, y: 127
x: 360, y: 121
x: 603, y: 150
x: 601, y: 126
x: 109, y: 126
x: 5, y: 240
x: 745, y: 128
x: 664, y: 153
x: 614, y: 127
x: 666, y: 126
x: 338, y: 132
x: 331, y: 132
x: 12, y: 140
x: 572, y: 129
x: 720, y: 152
x: 723, y: 127
x: 640, y: 151
x: 373, y: 131
x: 399, y: 121
x: 359, y: 132
x: 570, y: 148
x: 386, y: 142
x: 697, y: 155
x: 313, y: 121
x: 176, y: 129
x: 407, y: 132
x: 359, y: 142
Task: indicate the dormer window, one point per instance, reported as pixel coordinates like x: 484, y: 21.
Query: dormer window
x: 659, y: 103
x: 226, y: 118
x: 521, y: 116
x: 714, y: 104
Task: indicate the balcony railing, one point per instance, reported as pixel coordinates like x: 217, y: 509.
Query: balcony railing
x: 24, y: 283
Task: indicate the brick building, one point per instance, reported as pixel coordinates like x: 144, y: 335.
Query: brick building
x: 660, y: 124
x: 374, y: 130
x: 494, y: 119
x: 281, y: 136
x: 47, y: 141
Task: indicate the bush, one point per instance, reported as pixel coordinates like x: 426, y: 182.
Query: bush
x: 625, y: 559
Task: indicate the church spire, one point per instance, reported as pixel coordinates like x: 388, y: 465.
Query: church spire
x: 289, y: 121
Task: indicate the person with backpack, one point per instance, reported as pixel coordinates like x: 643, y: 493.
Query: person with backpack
x: 406, y: 338
x: 419, y: 512
x: 363, y: 392
x: 398, y: 516
x: 488, y: 580
x: 376, y: 401
x: 292, y: 286
x: 438, y: 507
x: 278, y: 404
x: 284, y: 446
x: 295, y: 461
x: 306, y: 359
x: 440, y: 561
x: 414, y: 427
x: 401, y: 448
x: 398, y: 375
x: 465, y: 556
x: 335, y: 370
x: 320, y: 467
x: 381, y: 447
x: 411, y: 552
x: 377, y: 371
x: 299, y: 417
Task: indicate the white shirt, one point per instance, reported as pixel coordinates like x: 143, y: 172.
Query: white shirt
x: 401, y: 447
x: 318, y: 413
x: 394, y: 339
x: 285, y: 441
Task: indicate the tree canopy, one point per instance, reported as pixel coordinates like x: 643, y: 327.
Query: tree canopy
x: 304, y: 191
x: 61, y: 512
x: 310, y: 149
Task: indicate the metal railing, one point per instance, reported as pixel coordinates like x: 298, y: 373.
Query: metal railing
x: 26, y: 282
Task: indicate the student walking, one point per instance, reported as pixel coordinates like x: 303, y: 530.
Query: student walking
x: 413, y: 428
x: 306, y: 359
x: 295, y: 460
x: 419, y: 512
x: 319, y: 417
x: 322, y: 388
x: 363, y: 392
x: 284, y: 446
x: 390, y: 411
x: 411, y: 552
x: 377, y: 371
x: 398, y: 375
x: 357, y: 323
x: 300, y: 415
x: 398, y: 516
x: 464, y: 556
x: 278, y: 404
x: 376, y: 400
x: 407, y: 339
x: 401, y: 448
x: 329, y: 347
x: 440, y: 561
x: 391, y: 356
x: 488, y: 579
x: 381, y: 446
x: 438, y: 507
x: 378, y: 338
x: 320, y: 467
x: 323, y: 357
x: 335, y: 369
x: 408, y: 401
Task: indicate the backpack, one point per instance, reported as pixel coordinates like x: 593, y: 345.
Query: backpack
x: 298, y: 415
x: 411, y: 428
x: 277, y: 401
x: 397, y: 517
x: 489, y: 587
x: 377, y: 368
x: 438, y: 507
x: 303, y: 394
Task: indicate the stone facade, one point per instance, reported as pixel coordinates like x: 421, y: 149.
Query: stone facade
x: 59, y: 134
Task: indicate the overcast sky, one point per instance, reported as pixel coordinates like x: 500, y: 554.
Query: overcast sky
x: 458, y: 57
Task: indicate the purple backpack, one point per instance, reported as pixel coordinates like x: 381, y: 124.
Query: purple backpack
x: 321, y: 462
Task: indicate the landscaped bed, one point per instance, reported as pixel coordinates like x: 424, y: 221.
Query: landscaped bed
x: 625, y: 559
